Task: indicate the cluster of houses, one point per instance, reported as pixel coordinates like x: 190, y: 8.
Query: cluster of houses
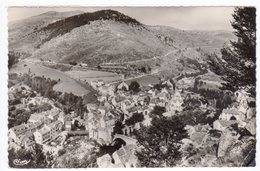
x: 242, y: 113
x: 119, y: 99
x: 100, y: 122
x: 118, y: 103
x: 220, y: 137
x: 40, y: 128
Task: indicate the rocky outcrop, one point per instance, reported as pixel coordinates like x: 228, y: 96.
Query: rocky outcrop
x: 242, y: 152
x: 234, y: 150
x: 227, y: 140
x: 251, y: 126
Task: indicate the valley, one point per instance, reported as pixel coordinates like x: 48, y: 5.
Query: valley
x: 101, y: 89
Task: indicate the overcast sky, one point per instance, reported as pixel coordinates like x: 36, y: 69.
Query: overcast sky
x: 188, y: 18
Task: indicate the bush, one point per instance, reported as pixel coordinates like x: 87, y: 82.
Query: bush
x: 61, y: 152
x: 14, y: 102
x: 134, y: 86
x: 73, y: 63
x: 137, y: 117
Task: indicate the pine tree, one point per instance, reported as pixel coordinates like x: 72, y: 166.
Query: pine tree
x: 239, y: 63
x: 160, y: 143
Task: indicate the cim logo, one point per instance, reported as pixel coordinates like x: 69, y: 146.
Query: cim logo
x: 20, y: 162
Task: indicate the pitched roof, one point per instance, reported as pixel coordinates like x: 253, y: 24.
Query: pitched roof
x: 44, y: 130
x: 36, y: 117
x: 119, y: 98
x: 122, y: 84
x: 19, y: 129
x: 54, y: 124
x: 54, y: 112
x: 33, y: 125
x: 132, y: 109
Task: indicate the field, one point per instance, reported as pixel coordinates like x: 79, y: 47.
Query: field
x: 66, y: 83
x: 145, y: 80
x: 90, y: 75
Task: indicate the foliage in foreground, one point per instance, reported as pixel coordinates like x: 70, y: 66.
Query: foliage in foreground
x: 160, y: 142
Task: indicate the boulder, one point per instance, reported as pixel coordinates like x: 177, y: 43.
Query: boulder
x: 227, y: 139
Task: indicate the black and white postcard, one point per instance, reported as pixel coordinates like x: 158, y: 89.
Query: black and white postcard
x: 130, y: 86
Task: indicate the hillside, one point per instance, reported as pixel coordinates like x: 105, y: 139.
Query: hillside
x: 19, y: 31
x: 209, y: 41
x: 102, y: 41
x: 110, y: 36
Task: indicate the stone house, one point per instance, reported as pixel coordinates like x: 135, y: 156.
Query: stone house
x: 175, y: 104
x: 16, y: 132
x: 228, y: 114
x: 48, y: 132
x: 107, y: 90
x: 68, y: 125
x: 42, y: 135
x: 55, y: 128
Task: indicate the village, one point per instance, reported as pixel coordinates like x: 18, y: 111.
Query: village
x: 124, y: 108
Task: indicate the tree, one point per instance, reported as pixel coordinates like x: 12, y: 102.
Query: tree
x: 143, y: 69
x: 240, y: 57
x: 134, y: 86
x: 118, y: 128
x: 137, y: 117
x: 158, y: 111
x: 12, y: 59
x: 39, y: 157
x: 160, y: 143
x: 73, y: 63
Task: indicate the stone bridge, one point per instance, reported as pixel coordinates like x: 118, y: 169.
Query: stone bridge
x: 127, y: 139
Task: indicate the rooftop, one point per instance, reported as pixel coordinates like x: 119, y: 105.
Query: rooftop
x: 44, y: 130
x: 33, y: 125
x: 54, y: 124
x: 19, y: 128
